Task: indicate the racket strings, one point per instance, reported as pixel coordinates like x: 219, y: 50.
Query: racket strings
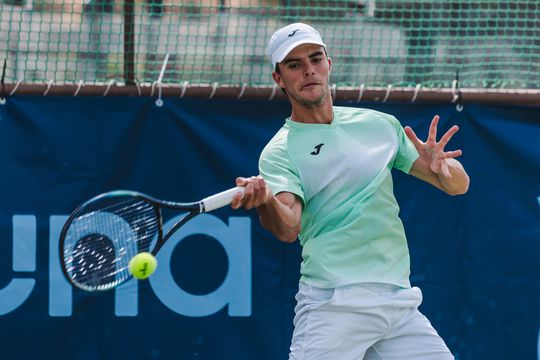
x: 99, y: 243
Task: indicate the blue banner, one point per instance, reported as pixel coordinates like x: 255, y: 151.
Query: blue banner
x: 224, y: 288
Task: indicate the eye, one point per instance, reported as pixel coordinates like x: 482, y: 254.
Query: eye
x: 317, y: 59
x: 292, y: 65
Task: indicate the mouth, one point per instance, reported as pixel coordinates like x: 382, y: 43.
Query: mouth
x: 310, y: 85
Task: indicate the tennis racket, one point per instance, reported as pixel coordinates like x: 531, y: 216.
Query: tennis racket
x: 102, y: 235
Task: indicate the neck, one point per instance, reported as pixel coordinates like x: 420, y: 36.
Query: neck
x: 320, y: 113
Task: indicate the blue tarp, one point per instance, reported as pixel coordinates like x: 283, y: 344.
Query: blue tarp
x: 225, y: 288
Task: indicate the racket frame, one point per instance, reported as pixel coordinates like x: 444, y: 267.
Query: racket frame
x: 192, y: 208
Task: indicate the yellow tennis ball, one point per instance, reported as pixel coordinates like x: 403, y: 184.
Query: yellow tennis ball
x: 142, y: 265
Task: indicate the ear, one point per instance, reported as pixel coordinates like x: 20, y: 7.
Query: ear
x: 329, y: 64
x: 278, y: 79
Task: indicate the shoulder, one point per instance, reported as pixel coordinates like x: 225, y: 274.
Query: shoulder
x: 277, y: 148
x: 346, y: 114
x: 351, y: 113
x: 279, y: 140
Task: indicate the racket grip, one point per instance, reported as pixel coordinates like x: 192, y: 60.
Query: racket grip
x: 221, y: 199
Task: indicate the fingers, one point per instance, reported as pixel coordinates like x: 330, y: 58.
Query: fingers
x: 252, y: 194
x: 241, y: 181
x: 237, y: 199
x: 256, y: 193
x: 412, y: 136
x: 432, y: 136
x: 447, y: 136
x: 452, y: 154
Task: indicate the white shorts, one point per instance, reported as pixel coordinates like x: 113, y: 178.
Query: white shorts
x: 364, y: 321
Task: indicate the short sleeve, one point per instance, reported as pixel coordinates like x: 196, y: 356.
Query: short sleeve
x: 406, y: 153
x: 277, y: 169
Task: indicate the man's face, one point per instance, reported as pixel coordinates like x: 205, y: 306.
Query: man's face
x: 304, y: 74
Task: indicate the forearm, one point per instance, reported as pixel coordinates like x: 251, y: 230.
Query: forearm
x: 280, y: 213
x: 455, y: 184
x: 458, y: 182
x: 281, y: 216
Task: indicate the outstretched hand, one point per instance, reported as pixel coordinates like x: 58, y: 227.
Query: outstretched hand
x: 432, y: 151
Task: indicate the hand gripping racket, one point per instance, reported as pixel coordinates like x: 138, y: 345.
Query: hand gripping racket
x: 102, y: 235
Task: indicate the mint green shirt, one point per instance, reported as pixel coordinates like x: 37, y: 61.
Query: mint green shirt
x: 351, y: 232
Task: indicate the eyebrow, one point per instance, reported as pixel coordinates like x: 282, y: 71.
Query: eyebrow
x: 312, y: 55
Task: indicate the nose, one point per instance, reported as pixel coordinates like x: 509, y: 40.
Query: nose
x: 308, y: 73
x: 309, y: 70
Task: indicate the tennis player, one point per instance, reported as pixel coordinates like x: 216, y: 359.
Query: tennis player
x: 326, y: 179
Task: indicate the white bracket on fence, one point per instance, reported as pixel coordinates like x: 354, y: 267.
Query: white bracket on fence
x: 215, y: 85
x: 49, y: 84
x: 360, y: 92
x: 417, y: 91
x: 15, y: 88
x: 159, y: 101
x: 138, y: 86
x: 185, y: 85
x: 79, y: 86
x: 388, y: 91
x: 111, y: 83
x: 244, y: 85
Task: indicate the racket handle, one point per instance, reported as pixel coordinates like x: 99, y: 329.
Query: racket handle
x: 221, y: 199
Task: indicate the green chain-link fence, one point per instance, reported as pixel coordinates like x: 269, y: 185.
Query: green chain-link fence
x: 491, y: 44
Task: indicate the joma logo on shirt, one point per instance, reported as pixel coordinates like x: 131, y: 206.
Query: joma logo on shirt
x: 317, y: 149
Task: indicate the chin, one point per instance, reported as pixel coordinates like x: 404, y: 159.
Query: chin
x: 312, y: 95
x: 311, y: 102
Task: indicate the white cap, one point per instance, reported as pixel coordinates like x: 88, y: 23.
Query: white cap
x: 287, y: 38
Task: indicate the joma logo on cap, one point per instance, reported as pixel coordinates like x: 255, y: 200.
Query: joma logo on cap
x: 294, y: 32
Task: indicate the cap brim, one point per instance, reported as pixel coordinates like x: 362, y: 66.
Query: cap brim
x: 289, y: 48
